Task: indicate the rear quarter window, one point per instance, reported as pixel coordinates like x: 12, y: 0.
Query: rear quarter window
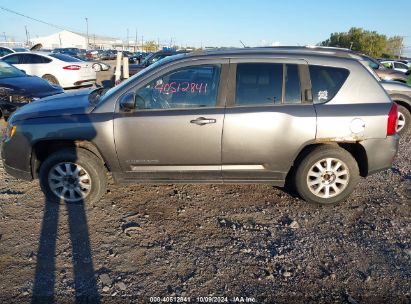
x: 65, y: 58
x: 326, y: 82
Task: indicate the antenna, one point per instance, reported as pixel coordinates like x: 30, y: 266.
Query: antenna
x: 243, y: 44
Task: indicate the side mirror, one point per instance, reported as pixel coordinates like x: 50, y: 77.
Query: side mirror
x: 128, y: 102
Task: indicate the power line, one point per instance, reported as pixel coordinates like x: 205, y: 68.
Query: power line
x: 35, y: 19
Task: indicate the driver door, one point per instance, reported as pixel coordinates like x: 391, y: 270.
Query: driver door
x: 174, y: 133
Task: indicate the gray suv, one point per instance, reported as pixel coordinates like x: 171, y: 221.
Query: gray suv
x: 315, y: 119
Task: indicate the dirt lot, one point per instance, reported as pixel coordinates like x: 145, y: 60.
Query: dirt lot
x: 195, y: 241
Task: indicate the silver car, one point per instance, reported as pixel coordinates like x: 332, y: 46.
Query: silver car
x: 313, y: 118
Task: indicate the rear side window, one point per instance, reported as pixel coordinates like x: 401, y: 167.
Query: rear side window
x: 262, y: 84
x: 65, y: 58
x: 259, y: 83
x: 34, y: 59
x: 326, y: 82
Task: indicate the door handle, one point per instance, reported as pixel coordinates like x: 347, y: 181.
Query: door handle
x: 201, y: 121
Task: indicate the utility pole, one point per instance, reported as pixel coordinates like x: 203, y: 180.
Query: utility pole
x: 158, y: 44
x: 128, y: 42
x: 135, y: 42
x: 27, y: 36
x: 88, y: 41
x: 5, y: 37
x: 142, y: 43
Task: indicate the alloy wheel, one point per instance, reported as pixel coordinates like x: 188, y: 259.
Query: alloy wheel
x: 328, y: 177
x: 69, y: 181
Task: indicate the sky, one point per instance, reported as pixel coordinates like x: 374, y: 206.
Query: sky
x: 209, y: 22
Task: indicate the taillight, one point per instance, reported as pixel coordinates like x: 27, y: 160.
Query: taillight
x: 72, y: 67
x: 392, y: 120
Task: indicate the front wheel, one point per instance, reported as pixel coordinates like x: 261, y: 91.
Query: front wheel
x: 73, y: 176
x: 327, y: 175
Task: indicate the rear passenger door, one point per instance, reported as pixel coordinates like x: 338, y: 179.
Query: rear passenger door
x: 269, y: 116
x: 34, y: 64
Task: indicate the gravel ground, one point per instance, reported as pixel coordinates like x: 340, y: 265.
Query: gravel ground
x: 254, y: 243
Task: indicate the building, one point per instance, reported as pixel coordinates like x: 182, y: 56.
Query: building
x: 77, y: 40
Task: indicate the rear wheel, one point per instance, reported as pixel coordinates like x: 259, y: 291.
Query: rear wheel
x: 404, y: 120
x: 97, y: 67
x: 73, y: 176
x: 327, y: 175
x: 50, y: 78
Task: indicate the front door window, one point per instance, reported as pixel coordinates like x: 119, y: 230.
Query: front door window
x: 193, y: 87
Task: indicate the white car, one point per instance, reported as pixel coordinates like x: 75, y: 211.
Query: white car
x: 60, y: 69
x: 395, y: 65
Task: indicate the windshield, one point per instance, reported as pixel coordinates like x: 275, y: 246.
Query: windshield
x: 20, y: 49
x: 7, y: 71
x: 366, y: 64
x: 113, y: 90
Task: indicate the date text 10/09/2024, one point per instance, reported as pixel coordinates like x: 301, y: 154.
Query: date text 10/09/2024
x: 208, y: 299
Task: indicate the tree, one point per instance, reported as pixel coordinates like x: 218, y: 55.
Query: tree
x: 394, y: 46
x: 367, y: 42
x: 150, y: 46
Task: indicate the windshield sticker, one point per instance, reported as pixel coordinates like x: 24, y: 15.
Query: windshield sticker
x: 323, y: 95
x: 175, y: 87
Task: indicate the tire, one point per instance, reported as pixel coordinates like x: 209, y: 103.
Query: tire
x: 97, y: 67
x: 51, y: 79
x: 340, y: 179
x: 91, y: 177
x: 404, y: 120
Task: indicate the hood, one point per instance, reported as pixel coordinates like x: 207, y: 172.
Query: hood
x: 387, y: 74
x: 63, y: 104
x: 36, y: 47
x: 31, y: 86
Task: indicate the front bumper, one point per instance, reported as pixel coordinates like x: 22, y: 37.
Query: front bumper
x: 16, y: 156
x: 380, y: 153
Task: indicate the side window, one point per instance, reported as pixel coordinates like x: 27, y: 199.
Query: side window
x: 190, y: 87
x: 398, y: 65
x: 292, y: 84
x: 12, y: 59
x: 326, y: 82
x: 35, y: 59
x: 259, y: 83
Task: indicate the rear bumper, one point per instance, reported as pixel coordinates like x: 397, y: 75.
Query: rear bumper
x: 380, y: 153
